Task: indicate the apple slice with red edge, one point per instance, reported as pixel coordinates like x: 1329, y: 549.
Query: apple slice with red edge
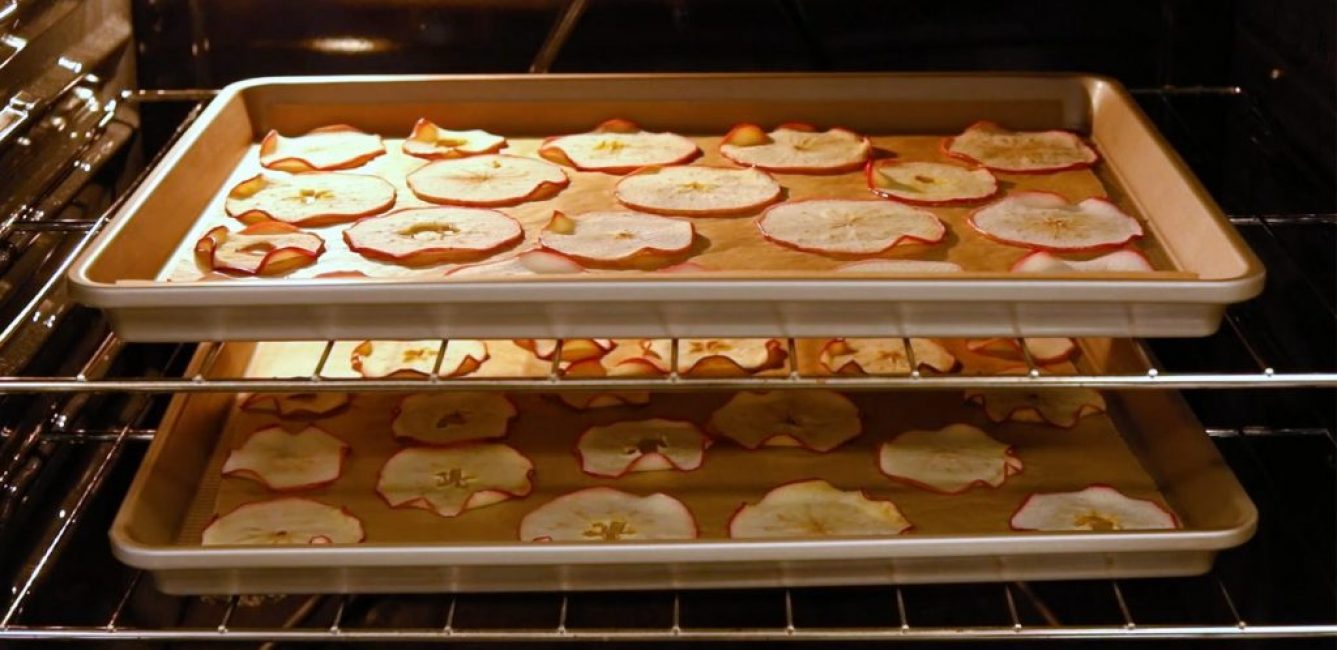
x: 729, y: 357
x: 583, y: 401
x: 391, y: 358
x: 1043, y: 350
x: 572, y: 349
x: 849, y: 226
x: 603, y: 514
x: 617, y: 238
x: 623, y: 358
x: 883, y: 356
x: 286, y: 461
x: 950, y: 460
x: 1059, y: 407
x: 528, y: 263
x: 1096, y: 507
x: 447, y: 418
x: 698, y: 191
x: 796, y: 148
x: 618, y: 147
x: 817, y: 420
x: 266, y: 248
x: 815, y: 508
x: 487, y: 181
x: 614, y: 450
x: 1046, y: 221
x: 899, y: 266
x: 284, y: 521
x: 423, y: 236
x: 310, y: 199
x: 430, y: 141
x: 1020, y: 152
x: 930, y: 183
x: 451, y: 480
x: 296, y: 405
x: 1121, y: 261
x: 327, y: 148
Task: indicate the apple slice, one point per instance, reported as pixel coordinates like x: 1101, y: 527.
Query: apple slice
x: 1060, y: 407
x: 1020, y: 152
x: 451, y: 480
x: 617, y: 449
x: 815, y: 508
x: 447, y: 418
x: 617, y: 238
x: 729, y: 357
x: 817, y: 420
x: 1096, y: 507
x: 287, y: 462
x: 324, y: 149
x: 1121, y: 261
x: 899, y: 266
x: 1046, y: 221
x: 796, y: 149
x: 422, y: 236
x: 427, y: 140
x: 849, y: 226
x: 311, y: 199
x: 594, y: 400
x: 698, y: 191
x: 618, y: 147
x: 626, y: 358
x: 283, y: 521
x: 390, y: 358
x: 950, y: 460
x: 491, y: 180
x: 572, y: 349
x: 930, y: 183
x: 1043, y: 350
x: 296, y: 405
x: 883, y: 356
x: 266, y: 248
x: 531, y: 262
x: 603, y: 514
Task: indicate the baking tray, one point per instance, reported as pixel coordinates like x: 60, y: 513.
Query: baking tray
x: 1150, y: 447
x: 1204, y: 264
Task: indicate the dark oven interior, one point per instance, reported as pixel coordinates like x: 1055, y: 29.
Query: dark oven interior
x: 1243, y: 89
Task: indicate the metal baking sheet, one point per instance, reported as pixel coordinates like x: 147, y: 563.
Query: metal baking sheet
x: 1202, y: 265
x: 1149, y: 446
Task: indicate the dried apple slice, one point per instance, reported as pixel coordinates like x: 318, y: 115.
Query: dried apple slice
x: 266, y: 248
x: 427, y: 140
x: 324, y: 149
x: 883, y: 356
x: 849, y: 226
x: 572, y: 349
x: 817, y: 420
x: 286, y: 462
x: 1020, y: 152
x: 618, y: 147
x: 950, y: 460
x: 1043, y: 350
x: 1060, y: 407
x: 617, y: 449
x: 815, y: 508
x: 729, y: 357
x: 1096, y: 507
x: 595, y: 400
x: 296, y: 405
x: 389, y: 358
x: 602, y: 514
x: 1046, y: 221
x: 311, y: 199
x: 698, y: 191
x: 930, y: 183
x: 283, y: 521
x: 532, y: 262
x: 489, y: 181
x: 1122, y: 261
x: 899, y: 266
x: 450, y: 480
x: 617, y: 238
x: 796, y: 149
x: 447, y: 418
x: 421, y: 236
x: 626, y: 358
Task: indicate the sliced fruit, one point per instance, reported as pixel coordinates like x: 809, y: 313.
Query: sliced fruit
x: 849, y: 226
x: 532, y: 262
x: 930, y: 183
x: 420, y: 236
x: 387, y: 358
x: 447, y: 418
x: 698, y: 191
x: 729, y: 357
x: 427, y: 140
x: 641, y: 446
x: 617, y: 238
x: 282, y: 521
x: 796, y: 149
x: 950, y: 460
x: 686, y: 267
x: 602, y: 514
x: 1096, y: 507
x: 1060, y: 407
x: 899, y: 266
x: 1123, y: 261
x: 285, y: 462
x: 1048, y: 222
x: 296, y: 405
x: 572, y: 349
x: 815, y: 508
x: 818, y: 420
x: 1020, y: 152
x: 1043, y: 350
x: 595, y: 400
x: 883, y: 356
x: 324, y: 149
x: 491, y: 180
x: 266, y: 248
x: 311, y: 199
x: 618, y: 147
x: 451, y: 480
x: 627, y: 358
